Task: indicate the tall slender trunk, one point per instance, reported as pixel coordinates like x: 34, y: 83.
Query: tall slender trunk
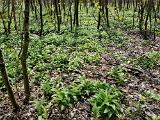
x: 141, y: 20
x: 57, y: 14
x: 6, y: 81
x: 76, y: 19
x: 64, y: 11
x: 107, y: 14
x: 35, y: 11
x: 9, y: 17
x: 41, y: 17
x: 146, y: 23
x: 25, y: 46
x: 150, y: 21
x: 155, y: 23
x: 70, y: 13
x: 20, y: 16
x: 99, y: 15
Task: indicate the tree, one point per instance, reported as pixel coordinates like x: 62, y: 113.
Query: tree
x: 99, y: 14
x: 41, y: 17
x: 25, y: 46
x: 6, y: 82
x: 76, y: 13
x: 70, y: 13
x: 106, y: 8
x: 57, y: 14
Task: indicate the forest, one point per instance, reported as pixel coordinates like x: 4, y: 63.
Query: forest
x: 79, y: 59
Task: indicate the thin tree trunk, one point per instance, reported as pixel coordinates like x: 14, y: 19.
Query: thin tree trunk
x: 57, y: 14
x: 141, y: 17
x: 99, y: 15
x: 146, y: 23
x: 41, y: 17
x: 25, y: 46
x: 107, y: 14
x: 70, y: 13
x: 76, y: 13
x: 155, y: 23
x: 9, y: 17
x: 6, y: 81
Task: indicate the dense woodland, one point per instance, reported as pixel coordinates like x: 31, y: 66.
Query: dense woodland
x: 80, y: 60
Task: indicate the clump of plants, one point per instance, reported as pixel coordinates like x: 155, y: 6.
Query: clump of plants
x: 40, y: 77
x: 60, y: 59
x: 56, y: 40
x: 154, y: 117
x: 149, y: 60
x: 67, y: 96
x: 106, y: 104
x: 153, y: 95
x: 92, y: 58
x: 92, y: 46
x: 75, y: 63
x: 155, y: 55
x: 118, y: 74
x: 116, y: 37
x: 47, y: 88
x: 104, y: 98
x: 41, y: 110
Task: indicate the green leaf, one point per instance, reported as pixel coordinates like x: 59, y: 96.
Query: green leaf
x: 40, y: 118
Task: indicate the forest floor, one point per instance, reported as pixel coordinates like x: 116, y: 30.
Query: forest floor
x: 116, y: 57
x: 138, y: 82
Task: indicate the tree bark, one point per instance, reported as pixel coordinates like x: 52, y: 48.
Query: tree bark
x: 107, y: 14
x: 76, y: 13
x: 57, y: 14
x: 6, y: 82
x: 41, y: 17
x: 25, y: 46
x: 99, y: 15
x: 70, y: 13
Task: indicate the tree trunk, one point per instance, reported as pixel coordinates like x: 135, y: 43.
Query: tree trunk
x: 76, y: 13
x: 41, y: 17
x: 70, y: 13
x: 141, y: 17
x: 99, y: 15
x: 146, y: 23
x: 25, y: 46
x: 9, y: 17
x: 59, y: 11
x: 57, y: 14
x: 6, y: 82
x: 107, y: 14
